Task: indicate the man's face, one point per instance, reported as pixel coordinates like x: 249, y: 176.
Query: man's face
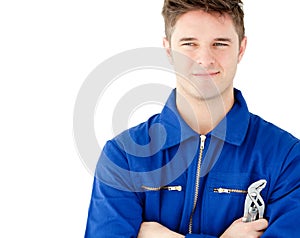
x: 205, y: 51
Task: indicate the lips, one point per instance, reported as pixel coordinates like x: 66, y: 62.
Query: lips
x: 206, y: 74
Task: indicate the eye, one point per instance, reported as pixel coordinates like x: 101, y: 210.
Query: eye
x: 188, y: 44
x: 220, y: 44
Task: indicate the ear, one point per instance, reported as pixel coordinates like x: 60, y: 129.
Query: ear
x: 167, y: 46
x: 242, y: 49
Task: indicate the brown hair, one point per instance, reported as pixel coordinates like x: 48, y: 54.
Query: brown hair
x: 173, y: 9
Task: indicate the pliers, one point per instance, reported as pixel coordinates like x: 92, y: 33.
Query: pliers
x: 254, y: 203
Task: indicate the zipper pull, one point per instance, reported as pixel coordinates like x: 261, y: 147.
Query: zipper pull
x: 174, y: 188
x: 202, y: 138
x: 221, y: 190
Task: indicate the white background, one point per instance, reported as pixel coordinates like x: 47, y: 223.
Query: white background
x: 47, y: 49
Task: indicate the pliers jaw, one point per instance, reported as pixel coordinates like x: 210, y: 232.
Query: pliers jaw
x: 254, y: 203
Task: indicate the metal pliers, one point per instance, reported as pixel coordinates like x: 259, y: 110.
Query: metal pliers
x: 254, y: 204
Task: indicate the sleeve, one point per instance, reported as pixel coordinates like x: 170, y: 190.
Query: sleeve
x: 113, y: 212
x: 283, y: 207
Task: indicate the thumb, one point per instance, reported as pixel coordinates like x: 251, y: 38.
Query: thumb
x: 260, y: 224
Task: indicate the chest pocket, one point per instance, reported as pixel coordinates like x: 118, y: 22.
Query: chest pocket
x: 164, y: 204
x: 224, y: 199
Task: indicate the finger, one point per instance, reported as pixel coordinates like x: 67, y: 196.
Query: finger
x: 259, y: 225
x: 240, y: 220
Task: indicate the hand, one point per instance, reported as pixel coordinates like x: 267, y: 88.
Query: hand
x: 240, y: 229
x: 154, y: 229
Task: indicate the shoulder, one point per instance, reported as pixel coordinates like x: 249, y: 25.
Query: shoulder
x: 269, y: 134
x: 142, y: 138
x: 140, y: 133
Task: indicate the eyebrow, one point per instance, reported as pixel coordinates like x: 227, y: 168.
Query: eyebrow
x: 223, y: 39
x: 187, y: 39
x: 216, y: 39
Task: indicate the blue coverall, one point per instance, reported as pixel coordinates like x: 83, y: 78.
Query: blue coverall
x: 163, y: 171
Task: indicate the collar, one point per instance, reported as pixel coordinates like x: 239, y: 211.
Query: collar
x: 232, y: 129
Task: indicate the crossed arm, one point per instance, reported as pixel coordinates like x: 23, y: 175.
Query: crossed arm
x: 238, y: 229
x: 107, y: 209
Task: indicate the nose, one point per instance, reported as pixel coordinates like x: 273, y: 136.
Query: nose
x: 205, y: 57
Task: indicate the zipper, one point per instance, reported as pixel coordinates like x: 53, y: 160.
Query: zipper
x: 169, y: 188
x: 197, y: 181
x: 229, y: 190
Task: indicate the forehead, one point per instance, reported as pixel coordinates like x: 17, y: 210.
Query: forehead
x: 202, y: 23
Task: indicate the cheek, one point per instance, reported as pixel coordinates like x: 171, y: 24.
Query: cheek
x: 182, y: 63
x: 228, y: 61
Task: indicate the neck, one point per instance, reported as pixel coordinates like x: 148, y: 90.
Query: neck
x: 203, y: 115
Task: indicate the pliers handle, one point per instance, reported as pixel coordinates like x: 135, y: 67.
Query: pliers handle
x: 254, y: 203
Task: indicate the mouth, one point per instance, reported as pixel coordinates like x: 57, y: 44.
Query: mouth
x: 206, y: 74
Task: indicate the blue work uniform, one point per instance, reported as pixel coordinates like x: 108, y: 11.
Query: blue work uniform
x: 196, y: 185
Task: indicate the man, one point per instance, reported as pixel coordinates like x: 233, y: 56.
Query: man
x: 212, y: 149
